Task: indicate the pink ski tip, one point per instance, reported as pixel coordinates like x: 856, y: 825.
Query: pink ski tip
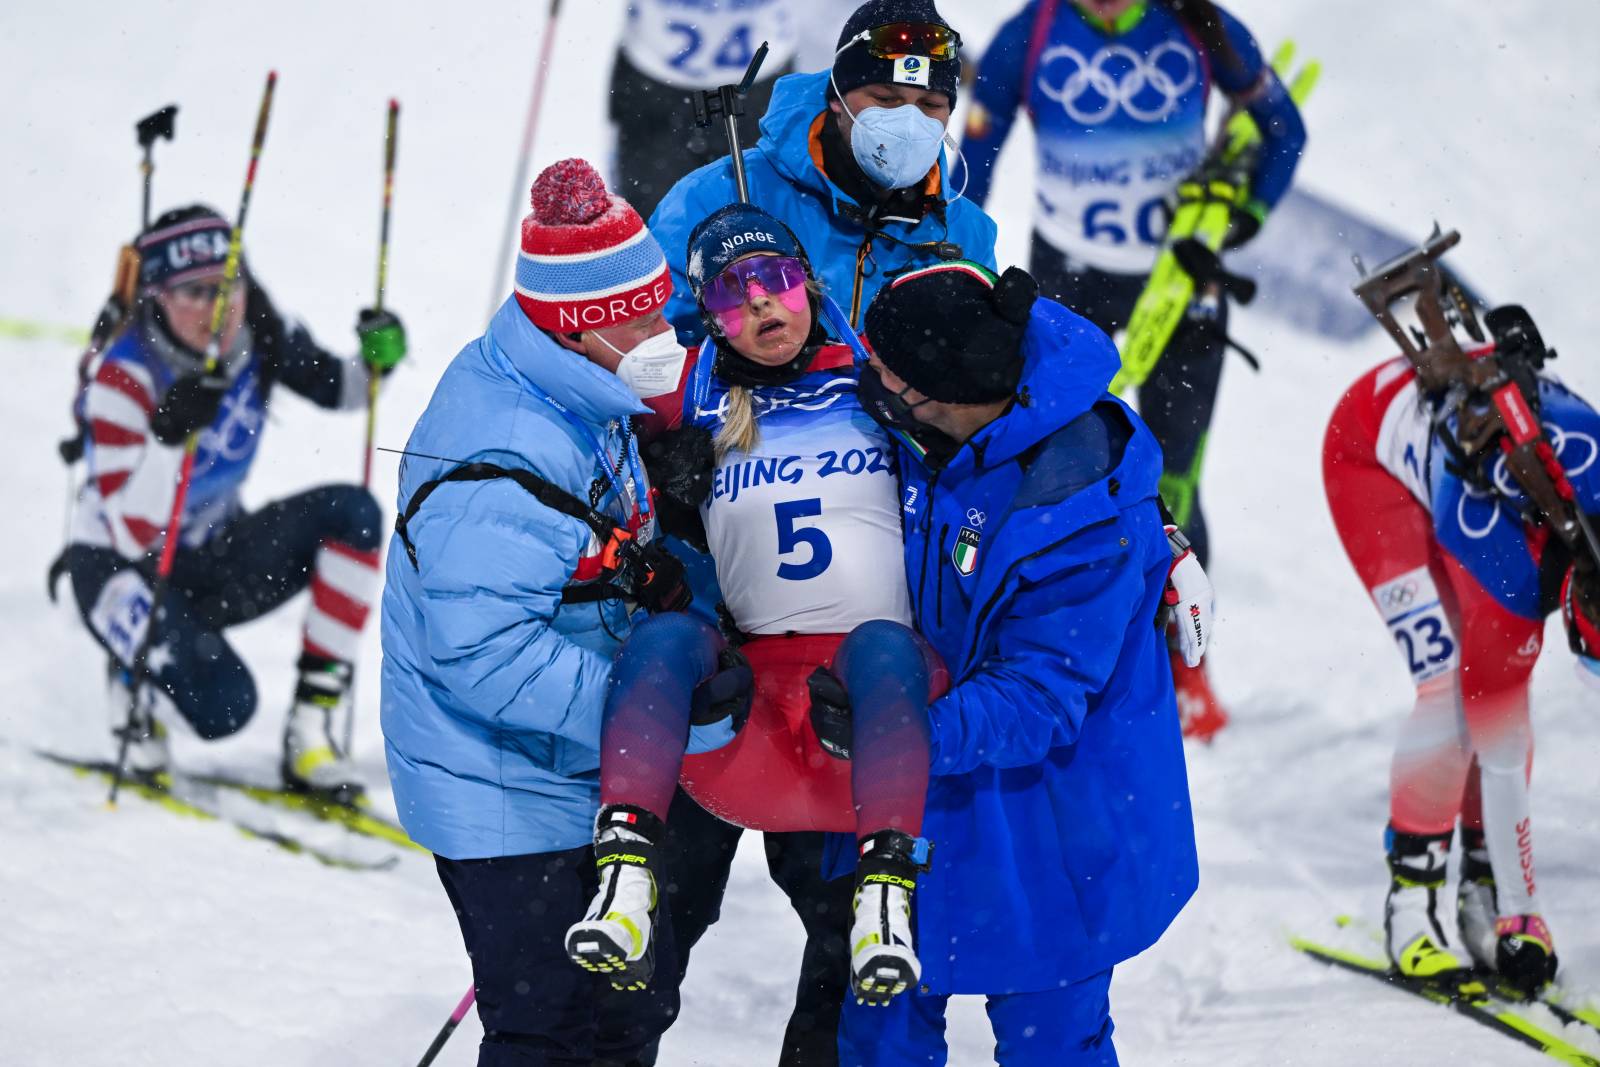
x: 272, y: 77
x: 394, y: 105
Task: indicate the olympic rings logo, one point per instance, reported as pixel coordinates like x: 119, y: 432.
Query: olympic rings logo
x: 975, y: 517
x: 1148, y: 88
x: 1400, y: 596
x: 1574, y: 466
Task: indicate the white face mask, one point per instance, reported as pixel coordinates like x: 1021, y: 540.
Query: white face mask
x: 652, y: 367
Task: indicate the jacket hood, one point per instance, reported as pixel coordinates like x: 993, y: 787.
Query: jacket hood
x: 1067, y: 364
x: 592, y: 394
x: 797, y: 100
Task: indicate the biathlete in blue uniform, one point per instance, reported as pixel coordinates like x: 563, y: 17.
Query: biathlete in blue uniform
x: 793, y: 490
x: 1117, y: 92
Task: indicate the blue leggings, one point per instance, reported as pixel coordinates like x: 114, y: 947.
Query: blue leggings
x: 252, y: 566
x: 883, y: 666
x: 1066, y: 1027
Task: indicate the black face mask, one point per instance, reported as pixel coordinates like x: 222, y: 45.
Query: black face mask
x: 890, y: 410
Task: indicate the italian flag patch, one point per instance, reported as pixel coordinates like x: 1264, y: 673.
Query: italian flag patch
x: 965, y: 554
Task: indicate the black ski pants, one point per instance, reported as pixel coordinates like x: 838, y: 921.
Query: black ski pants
x: 657, y: 139
x: 538, y: 1008
x: 1178, y: 398
x: 250, y: 567
x: 699, y: 851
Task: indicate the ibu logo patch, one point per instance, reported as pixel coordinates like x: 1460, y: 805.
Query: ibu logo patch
x: 965, y: 554
x: 911, y: 70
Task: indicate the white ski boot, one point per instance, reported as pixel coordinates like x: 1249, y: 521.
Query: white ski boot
x: 1475, y: 900
x: 312, y: 760
x: 615, y: 937
x: 883, y: 957
x: 1415, y: 940
x: 147, y: 754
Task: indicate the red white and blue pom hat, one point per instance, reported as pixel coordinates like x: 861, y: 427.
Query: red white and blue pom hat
x: 588, y: 261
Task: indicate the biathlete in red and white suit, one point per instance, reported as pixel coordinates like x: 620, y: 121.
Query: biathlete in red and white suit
x: 799, y: 500
x: 1464, y: 584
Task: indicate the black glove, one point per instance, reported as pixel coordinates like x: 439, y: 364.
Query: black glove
x: 726, y: 694
x: 1244, y: 222
x: 830, y: 712
x: 191, y: 403
x: 680, y: 464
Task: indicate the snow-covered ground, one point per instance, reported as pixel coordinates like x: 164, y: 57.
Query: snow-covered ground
x: 134, y: 937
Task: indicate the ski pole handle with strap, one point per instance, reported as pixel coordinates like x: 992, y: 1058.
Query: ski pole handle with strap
x: 213, y: 355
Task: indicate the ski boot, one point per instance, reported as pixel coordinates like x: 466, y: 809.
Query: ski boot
x: 1525, y: 953
x: 615, y: 937
x: 312, y: 761
x: 148, y: 757
x: 883, y: 960
x: 1475, y: 900
x: 1199, y: 710
x: 1415, y: 941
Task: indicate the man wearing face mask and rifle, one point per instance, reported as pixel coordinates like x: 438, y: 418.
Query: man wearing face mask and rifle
x: 851, y: 160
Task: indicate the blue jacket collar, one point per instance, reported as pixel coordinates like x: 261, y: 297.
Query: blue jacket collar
x: 522, y: 349
x: 797, y: 100
x: 1067, y: 365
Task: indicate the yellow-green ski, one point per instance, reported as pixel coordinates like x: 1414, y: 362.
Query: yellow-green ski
x: 1470, y: 998
x: 1206, y: 202
x: 156, y: 792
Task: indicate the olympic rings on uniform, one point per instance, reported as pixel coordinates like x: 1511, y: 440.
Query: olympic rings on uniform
x: 975, y: 517
x: 1170, y: 70
x: 1559, y: 439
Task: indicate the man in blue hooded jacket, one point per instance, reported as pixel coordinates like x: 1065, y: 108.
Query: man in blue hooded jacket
x: 850, y: 159
x: 1058, y: 812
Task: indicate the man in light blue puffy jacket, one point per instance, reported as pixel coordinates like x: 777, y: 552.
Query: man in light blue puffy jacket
x: 502, y: 610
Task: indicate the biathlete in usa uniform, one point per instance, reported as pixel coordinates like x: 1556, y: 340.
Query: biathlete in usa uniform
x: 147, y: 394
x: 800, y: 510
x: 1117, y: 93
x: 1441, y: 537
x: 669, y: 51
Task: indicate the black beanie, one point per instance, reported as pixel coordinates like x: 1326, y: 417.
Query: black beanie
x: 953, y: 332
x: 857, y: 66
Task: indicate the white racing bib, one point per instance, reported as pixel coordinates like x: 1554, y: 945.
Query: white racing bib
x: 806, y: 530
x: 701, y: 44
x: 1416, y: 619
x: 121, y: 614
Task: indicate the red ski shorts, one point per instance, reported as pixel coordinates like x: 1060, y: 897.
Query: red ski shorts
x: 775, y: 775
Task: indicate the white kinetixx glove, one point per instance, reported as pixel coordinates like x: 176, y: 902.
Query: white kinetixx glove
x: 1189, y: 598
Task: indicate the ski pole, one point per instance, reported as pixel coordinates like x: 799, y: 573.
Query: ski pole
x: 154, y: 126
x: 449, y: 1027
x: 172, y: 534
x: 519, y: 179
x: 390, y: 134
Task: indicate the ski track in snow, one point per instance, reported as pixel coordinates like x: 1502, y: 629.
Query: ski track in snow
x: 136, y: 937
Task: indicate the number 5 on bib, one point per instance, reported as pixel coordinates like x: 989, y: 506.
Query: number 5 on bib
x: 792, y: 538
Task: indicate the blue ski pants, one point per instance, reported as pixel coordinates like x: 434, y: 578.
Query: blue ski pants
x: 1065, y: 1027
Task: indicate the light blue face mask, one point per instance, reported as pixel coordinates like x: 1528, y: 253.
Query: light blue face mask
x: 895, y: 146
